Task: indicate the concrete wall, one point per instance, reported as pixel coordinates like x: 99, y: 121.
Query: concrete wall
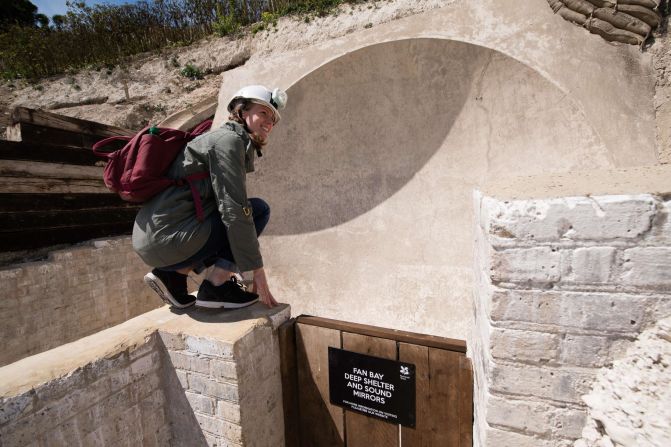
x: 197, y: 379
x: 75, y: 293
x: 564, y: 287
x: 388, y: 130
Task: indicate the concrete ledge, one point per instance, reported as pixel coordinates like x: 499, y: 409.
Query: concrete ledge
x: 635, y: 180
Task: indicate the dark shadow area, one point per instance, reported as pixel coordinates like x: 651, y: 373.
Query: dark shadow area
x: 255, y: 311
x: 184, y: 426
x: 361, y: 127
x: 316, y: 426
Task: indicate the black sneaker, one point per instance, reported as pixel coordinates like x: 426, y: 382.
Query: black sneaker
x: 170, y: 287
x: 231, y: 295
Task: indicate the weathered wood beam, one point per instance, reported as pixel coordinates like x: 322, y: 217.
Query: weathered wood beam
x: 29, y: 202
x: 32, y: 239
x: 43, y: 118
x: 25, y: 221
x: 19, y: 150
x: 51, y: 185
x: 38, y: 169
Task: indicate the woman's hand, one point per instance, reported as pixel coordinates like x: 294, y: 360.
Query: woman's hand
x: 260, y: 286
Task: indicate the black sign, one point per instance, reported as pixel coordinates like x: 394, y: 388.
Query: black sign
x: 373, y: 386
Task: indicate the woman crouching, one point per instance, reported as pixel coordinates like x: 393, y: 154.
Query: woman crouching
x: 167, y: 234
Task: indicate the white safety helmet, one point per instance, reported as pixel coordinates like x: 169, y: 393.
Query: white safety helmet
x: 275, y: 100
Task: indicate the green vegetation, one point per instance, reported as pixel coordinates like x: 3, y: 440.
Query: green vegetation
x: 33, y: 46
x: 192, y: 72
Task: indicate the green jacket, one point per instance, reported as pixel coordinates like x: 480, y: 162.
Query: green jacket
x: 166, y: 231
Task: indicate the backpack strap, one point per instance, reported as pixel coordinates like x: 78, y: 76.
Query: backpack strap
x: 191, y: 179
x: 102, y: 143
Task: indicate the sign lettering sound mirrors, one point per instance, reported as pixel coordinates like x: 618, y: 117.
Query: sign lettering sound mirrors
x: 381, y: 388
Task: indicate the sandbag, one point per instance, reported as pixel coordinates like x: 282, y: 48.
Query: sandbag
x: 622, y: 21
x: 582, y: 6
x: 651, y: 4
x: 613, y: 34
x: 647, y: 15
x: 572, y: 16
x: 556, y: 5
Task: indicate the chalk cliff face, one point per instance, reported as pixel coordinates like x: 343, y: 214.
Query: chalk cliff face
x: 154, y: 85
x: 629, y: 403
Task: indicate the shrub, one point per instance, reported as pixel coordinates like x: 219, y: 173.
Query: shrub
x: 226, y: 25
x: 192, y: 72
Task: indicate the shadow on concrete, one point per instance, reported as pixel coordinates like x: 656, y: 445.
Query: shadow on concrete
x: 361, y: 127
x: 255, y: 311
x: 184, y: 427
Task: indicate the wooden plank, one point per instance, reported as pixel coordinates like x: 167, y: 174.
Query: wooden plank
x: 190, y: 117
x: 321, y: 424
x: 53, y: 219
x: 38, y: 169
x: 30, y: 202
x: 42, y: 118
x: 362, y: 430
x: 444, y: 391
x: 465, y: 402
x: 51, y: 185
x: 19, y: 150
x: 30, y: 133
x: 391, y: 334
x: 288, y: 366
x: 423, y: 433
x: 31, y: 239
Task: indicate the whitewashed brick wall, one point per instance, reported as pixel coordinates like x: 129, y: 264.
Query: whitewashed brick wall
x: 233, y: 389
x: 563, y: 287
x: 111, y: 401
x: 75, y: 293
x: 159, y: 379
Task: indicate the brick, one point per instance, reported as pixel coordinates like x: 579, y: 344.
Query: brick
x: 648, y: 267
x: 560, y: 384
x: 65, y: 435
x: 140, y: 351
x: 221, y: 428
x: 208, y: 346
x: 145, y: 365
x: 173, y: 342
x: 223, y: 370
x: 178, y: 360
x: 535, y: 265
x: 595, y: 311
x: 228, y: 411
x: 569, y: 218
x: 201, y: 403
x: 15, y: 407
x: 591, y: 351
x: 141, y: 388
x: 204, y: 385
x: 525, y: 346
x: 183, y: 378
x: 502, y: 438
x: 544, y: 418
x: 591, y: 265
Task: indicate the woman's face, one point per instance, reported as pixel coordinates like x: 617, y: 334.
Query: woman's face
x: 260, y: 120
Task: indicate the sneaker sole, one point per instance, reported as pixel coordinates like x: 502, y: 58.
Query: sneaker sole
x: 157, y: 286
x: 220, y: 304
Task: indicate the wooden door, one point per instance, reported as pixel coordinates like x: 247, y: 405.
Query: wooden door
x: 443, y: 384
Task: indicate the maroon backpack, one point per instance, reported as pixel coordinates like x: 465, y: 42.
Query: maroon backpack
x: 137, y: 172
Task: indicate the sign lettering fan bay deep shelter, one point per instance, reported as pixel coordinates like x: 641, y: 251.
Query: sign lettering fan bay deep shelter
x: 373, y: 386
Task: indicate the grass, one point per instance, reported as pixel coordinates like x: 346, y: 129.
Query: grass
x: 108, y: 35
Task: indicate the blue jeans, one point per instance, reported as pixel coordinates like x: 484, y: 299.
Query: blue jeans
x: 217, y: 249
